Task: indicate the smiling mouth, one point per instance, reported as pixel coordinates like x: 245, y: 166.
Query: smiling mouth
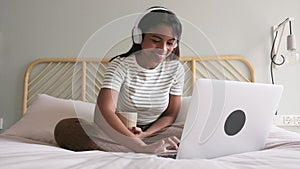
x: 160, y: 56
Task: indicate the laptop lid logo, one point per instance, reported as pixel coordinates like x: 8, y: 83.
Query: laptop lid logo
x: 235, y: 122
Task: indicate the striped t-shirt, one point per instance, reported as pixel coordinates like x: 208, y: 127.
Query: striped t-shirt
x: 145, y: 91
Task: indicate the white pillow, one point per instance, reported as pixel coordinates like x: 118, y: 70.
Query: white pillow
x: 185, y: 103
x: 45, y: 112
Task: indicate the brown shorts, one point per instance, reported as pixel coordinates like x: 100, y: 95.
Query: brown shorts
x: 80, y: 135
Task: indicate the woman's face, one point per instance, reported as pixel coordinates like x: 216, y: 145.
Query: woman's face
x: 158, y: 43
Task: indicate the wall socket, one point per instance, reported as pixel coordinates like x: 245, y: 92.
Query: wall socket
x: 287, y: 120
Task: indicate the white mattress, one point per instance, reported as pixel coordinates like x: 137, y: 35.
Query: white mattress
x: 282, y: 152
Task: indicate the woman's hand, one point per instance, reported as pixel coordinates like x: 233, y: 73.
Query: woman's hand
x: 138, y: 132
x: 164, y: 145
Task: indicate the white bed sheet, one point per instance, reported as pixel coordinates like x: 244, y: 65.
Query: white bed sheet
x: 282, y: 152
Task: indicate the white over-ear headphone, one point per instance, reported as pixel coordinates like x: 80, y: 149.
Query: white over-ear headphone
x: 137, y: 32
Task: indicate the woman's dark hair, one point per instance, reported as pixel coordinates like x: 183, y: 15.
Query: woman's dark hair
x: 152, y: 19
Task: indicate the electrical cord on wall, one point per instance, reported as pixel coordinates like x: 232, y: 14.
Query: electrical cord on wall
x: 273, y: 59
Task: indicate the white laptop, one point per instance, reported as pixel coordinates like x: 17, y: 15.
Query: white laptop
x: 228, y: 117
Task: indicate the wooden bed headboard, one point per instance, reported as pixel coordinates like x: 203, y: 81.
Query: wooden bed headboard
x: 81, y: 79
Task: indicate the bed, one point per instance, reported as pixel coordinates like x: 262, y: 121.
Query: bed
x: 57, y: 88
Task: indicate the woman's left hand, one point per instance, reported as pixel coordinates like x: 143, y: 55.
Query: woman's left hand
x: 137, y: 131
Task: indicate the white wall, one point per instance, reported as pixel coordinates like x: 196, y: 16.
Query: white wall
x: 32, y: 29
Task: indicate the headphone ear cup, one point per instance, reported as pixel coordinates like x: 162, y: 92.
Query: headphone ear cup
x: 137, y: 35
x: 175, y: 45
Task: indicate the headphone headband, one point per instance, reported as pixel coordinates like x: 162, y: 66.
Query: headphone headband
x: 146, y: 12
x: 136, y: 31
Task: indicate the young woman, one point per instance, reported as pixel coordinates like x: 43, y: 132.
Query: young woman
x: 148, y: 79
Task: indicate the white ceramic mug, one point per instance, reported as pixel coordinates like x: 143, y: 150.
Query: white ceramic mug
x: 129, y: 119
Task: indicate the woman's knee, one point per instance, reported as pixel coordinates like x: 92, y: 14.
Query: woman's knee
x: 70, y: 134
x: 65, y: 126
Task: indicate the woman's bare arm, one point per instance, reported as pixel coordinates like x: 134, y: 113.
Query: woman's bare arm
x: 167, y: 118
x: 107, y: 101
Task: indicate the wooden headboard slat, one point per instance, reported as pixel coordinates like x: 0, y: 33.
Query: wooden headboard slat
x: 231, y: 70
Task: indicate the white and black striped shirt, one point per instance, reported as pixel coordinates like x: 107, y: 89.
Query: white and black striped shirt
x: 145, y: 91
